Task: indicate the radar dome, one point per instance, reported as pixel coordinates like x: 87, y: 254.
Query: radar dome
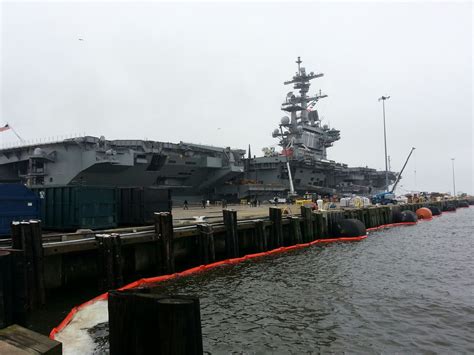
x: 38, y: 152
x: 275, y: 133
x: 285, y: 120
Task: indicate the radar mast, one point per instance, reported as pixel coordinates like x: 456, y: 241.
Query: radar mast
x: 301, y: 134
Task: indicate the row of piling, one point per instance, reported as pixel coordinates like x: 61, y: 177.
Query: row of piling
x: 171, y: 324
x: 23, y: 280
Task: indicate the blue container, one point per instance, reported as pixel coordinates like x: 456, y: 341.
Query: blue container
x: 17, y: 202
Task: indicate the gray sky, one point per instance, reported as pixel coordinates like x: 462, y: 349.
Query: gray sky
x: 213, y: 73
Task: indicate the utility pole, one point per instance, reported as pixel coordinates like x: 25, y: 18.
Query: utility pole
x: 256, y: 177
x: 383, y: 98
x: 454, y: 178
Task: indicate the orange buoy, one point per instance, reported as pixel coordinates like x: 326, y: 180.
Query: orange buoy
x: 424, y: 213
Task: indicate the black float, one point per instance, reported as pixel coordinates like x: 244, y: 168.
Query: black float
x: 409, y: 216
x: 346, y: 228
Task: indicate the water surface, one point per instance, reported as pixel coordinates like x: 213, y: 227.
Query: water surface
x: 405, y: 289
x: 402, y: 290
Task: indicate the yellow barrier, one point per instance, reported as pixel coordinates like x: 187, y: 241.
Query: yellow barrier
x: 303, y: 202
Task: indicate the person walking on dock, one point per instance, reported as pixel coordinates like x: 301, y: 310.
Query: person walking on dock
x: 185, y: 205
x: 203, y: 203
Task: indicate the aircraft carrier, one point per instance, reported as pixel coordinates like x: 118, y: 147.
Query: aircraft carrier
x: 302, y: 167
x: 194, y: 171
x: 189, y: 170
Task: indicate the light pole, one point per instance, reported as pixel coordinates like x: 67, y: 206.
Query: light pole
x: 383, y: 98
x: 454, y: 179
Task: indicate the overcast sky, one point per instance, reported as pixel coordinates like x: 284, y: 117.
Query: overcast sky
x: 213, y: 74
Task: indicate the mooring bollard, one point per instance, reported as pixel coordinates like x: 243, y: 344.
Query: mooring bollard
x: 276, y: 232
x: 145, y: 323
x: 231, y: 234
x: 205, y: 241
x: 165, y: 238
x: 109, y: 261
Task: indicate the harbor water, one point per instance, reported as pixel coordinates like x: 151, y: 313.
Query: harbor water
x: 407, y: 289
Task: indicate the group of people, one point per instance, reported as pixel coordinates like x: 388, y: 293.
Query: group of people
x: 204, y: 204
x: 254, y: 203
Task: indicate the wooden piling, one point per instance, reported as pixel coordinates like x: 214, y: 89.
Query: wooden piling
x: 276, y: 231
x: 324, y: 225
x: 28, y: 268
x: 295, y: 230
x: 318, y: 230
x: 145, y: 323
x: 333, y: 218
x: 179, y: 325
x: 165, y: 237
x: 6, y: 289
x: 260, y: 236
x: 38, y: 260
x: 205, y: 243
x: 109, y: 261
x: 231, y: 235
x: 307, y: 215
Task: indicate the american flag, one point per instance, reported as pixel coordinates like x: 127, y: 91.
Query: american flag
x: 311, y: 106
x: 4, y: 128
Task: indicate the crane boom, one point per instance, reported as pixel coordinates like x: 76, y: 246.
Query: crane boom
x: 400, y: 175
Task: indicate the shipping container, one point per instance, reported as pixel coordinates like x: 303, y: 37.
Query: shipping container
x: 78, y: 207
x: 17, y: 203
x: 137, y: 204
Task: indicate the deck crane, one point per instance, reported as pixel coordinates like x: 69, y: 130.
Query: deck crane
x: 384, y: 198
x: 400, y: 175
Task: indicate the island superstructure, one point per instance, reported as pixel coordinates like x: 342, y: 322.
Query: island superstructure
x: 304, y: 141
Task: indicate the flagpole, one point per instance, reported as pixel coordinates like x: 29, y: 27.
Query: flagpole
x: 16, y: 134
